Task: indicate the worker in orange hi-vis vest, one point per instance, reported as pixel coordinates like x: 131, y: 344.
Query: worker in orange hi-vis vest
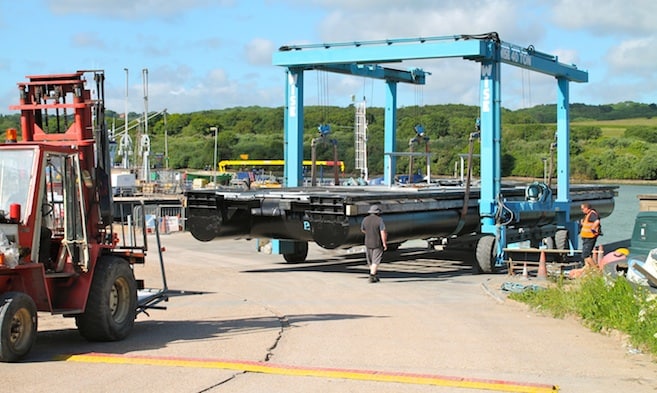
x: 589, y: 232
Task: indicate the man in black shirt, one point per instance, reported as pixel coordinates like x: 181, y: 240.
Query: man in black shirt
x: 375, y: 240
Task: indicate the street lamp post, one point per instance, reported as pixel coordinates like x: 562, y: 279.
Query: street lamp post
x: 214, y: 162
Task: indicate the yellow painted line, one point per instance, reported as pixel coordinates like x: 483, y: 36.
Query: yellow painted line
x: 362, y: 375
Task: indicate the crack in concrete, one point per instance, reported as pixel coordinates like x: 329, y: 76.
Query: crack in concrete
x: 285, y: 324
x: 209, y: 388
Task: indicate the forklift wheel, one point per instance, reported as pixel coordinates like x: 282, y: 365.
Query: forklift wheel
x: 18, y: 325
x: 112, y: 302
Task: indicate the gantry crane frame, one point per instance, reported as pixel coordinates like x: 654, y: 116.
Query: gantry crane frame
x: 362, y: 58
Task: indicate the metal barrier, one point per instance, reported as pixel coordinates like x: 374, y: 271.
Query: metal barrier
x: 129, y: 224
x: 140, y: 218
x: 169, y: 218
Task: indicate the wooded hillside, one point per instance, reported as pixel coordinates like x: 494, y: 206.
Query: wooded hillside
x: 607, y: 141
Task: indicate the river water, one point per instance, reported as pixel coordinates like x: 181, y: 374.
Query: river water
x: 618, y: 226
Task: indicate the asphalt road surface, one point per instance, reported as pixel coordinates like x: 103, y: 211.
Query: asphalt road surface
x: 240, y: 321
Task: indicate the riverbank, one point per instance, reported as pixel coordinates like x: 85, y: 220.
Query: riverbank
x: 584, y: 181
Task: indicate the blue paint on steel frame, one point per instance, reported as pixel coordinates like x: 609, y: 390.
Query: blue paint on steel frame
x: 293, y: 123
x: 390, y: 133
x: 487, y: 49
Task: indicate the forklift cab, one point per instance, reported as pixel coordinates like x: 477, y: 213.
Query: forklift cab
x: 43, y: 212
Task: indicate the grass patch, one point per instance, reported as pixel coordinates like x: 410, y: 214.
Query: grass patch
x: 621, y: 123
x: 603, y: 305
x: 613, y: 132
x: 614, y: 128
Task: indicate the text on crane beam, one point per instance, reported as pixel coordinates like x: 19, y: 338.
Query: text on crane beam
x: 292, y: 94
x: 515, y: 56
x: 486, y: 95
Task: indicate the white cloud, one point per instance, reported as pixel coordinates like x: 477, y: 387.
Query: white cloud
x: 635, y: 57
x: 218, y: 76
x: 400, y: 19
x: 88, y: 40
x: 567, y: 56
x: 606, y: 17
x: 131, y: 9
x: 258, y: 51
x: 207, y: 54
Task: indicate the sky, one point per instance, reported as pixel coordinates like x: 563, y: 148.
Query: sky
x: 196, y: 55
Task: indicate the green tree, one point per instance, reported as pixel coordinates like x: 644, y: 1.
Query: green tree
x: 644, y: 133
x: 647, y: 168
x: 527, y: 136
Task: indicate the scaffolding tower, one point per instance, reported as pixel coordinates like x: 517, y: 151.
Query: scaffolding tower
x: 360, y: 132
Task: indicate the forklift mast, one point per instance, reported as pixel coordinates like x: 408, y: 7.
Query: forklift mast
x: 59, y: 110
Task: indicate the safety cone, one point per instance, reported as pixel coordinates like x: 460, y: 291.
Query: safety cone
x: 524, y: 270
x: 542, y: 269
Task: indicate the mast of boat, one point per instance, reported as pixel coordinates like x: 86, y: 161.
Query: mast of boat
x: 125, y: 142
x: 125, y: 108
x: 145, y: 142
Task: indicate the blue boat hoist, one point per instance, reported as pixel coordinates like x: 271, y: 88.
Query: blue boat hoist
x: 362, y: 59
x: 485, y: 217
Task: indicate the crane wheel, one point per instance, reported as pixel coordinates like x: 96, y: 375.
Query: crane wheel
x: 18, y: 325
x: 112, y: 302
x: 562, y: 242
x: 485, y: 255
x: 299, y: 255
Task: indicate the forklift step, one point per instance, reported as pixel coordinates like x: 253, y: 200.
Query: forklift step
x: 60, y: 275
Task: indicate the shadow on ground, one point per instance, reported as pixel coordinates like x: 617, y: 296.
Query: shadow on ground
x: 150, y: 334
x: 404, y: 264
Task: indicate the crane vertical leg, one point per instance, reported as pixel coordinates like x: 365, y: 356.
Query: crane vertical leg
x: 562, y: 203
x: 293, y: 150
x: 490, y: 144
x: 491, y: 172
x: 390, y: 138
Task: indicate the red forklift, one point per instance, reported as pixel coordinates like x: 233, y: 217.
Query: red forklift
x: 65, y: 246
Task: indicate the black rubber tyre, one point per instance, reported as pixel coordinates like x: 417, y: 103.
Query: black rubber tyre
x: 18, y: 325
x: 112, y: 302
x: 299, y: 255
x: 485, y: 255
x: 561, y: 240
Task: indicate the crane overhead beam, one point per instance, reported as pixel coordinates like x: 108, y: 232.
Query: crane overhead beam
x: 414, y: 76
x: 366, y: 53
x: 478, y: 48
x: 530, y: 59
